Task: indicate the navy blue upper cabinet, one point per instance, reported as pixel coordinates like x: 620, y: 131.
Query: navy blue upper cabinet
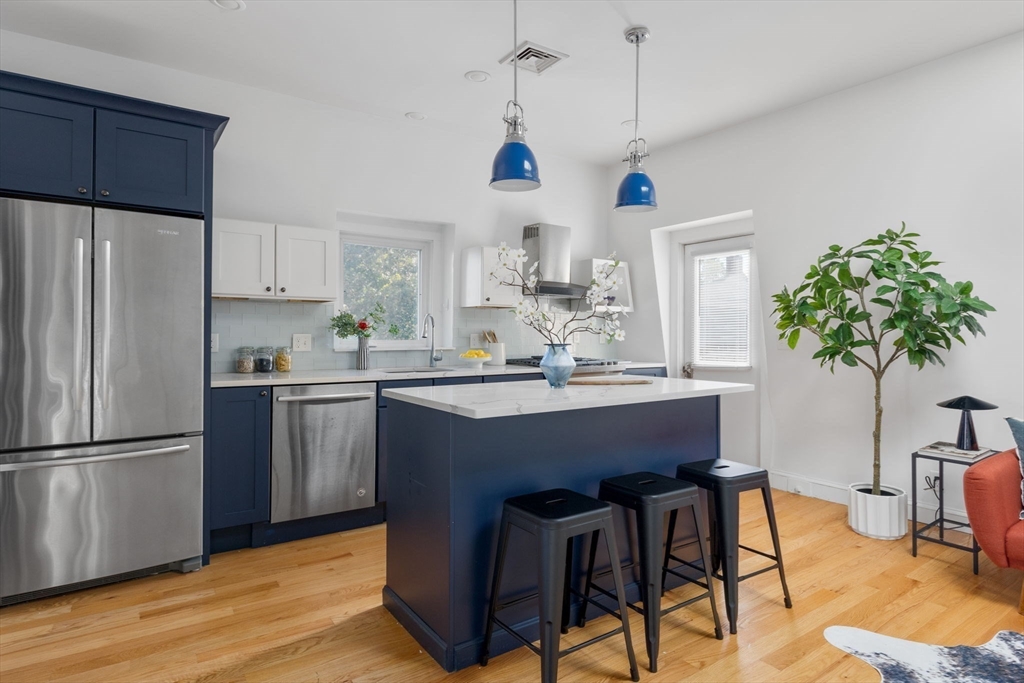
x: 45, y: 146
x: 148, y: 162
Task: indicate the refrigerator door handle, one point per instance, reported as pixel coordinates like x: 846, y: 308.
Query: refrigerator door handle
x: 79, y: 325
x: 60, y: 462
x: 326, y: 397
x: 103, y: 376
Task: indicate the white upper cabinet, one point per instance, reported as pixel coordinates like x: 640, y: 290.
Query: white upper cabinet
x: 266, y: 261
x: 243, y: 258
x: 479, y: 289
x: 307, y: 263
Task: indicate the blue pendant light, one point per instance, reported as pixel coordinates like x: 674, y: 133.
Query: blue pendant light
x: 636, y: 191
x: 514, y: 168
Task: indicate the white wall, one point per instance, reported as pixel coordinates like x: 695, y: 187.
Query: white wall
x: 283, y: 159
x: 940, y: 146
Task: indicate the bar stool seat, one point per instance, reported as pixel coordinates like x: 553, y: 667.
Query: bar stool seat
x: 724, y: 480
x: 651, y: 495
x: 555, y: 517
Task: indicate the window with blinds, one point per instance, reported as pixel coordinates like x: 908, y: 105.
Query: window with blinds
x: 721, y: 309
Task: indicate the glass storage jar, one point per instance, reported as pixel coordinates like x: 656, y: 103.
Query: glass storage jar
x: 245, y: 359
x: 283, y: 359
x: 265, y: 359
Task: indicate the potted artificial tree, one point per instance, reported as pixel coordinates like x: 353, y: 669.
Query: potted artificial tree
x: 912, y: 313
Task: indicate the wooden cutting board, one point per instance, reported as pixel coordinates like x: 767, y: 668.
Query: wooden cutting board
x: 609, y: 380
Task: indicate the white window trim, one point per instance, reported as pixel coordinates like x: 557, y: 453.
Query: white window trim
x: 435, y: 242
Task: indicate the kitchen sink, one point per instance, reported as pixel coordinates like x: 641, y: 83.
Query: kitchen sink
x: 403, y: 371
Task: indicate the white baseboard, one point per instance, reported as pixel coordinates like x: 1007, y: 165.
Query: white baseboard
x: 837, y: 493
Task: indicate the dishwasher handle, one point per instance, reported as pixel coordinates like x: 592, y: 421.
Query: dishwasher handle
x: 60, y: 462
x: 327, y: 397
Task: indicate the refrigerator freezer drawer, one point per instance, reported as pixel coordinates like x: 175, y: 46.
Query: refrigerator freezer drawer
x: 323, y: 452
x: 80, y: 514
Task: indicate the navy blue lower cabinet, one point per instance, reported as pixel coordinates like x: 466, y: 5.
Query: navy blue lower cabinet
x: 450, y: 381
x: 647, y: 372
x: 45, y: 146
x: 148, y: 162
x: 525, y: 377
x: 240, y: 456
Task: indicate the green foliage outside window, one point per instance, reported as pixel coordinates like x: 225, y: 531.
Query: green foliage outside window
x: 389, y: 276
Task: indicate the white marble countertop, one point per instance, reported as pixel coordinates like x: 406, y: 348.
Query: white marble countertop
x: 238, y: 379
x: 479, y: 401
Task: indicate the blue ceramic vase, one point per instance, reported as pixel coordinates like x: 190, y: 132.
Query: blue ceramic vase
x: 557, y: 365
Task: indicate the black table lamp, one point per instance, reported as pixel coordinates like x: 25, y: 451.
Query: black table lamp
x: 966, y: 440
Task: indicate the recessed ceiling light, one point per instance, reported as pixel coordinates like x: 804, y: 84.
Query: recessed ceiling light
x: 415, y: 115
x: 478, y: 76
x: 233, y: 5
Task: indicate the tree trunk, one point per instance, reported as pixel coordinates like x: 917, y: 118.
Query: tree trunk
x: 877, y: 469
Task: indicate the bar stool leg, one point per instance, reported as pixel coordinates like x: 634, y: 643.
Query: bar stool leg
x: 669, y: 540
x: 582, y: 620
x: 620, y: 592
x: 499, y: 566
x: 714, y: 539
x: 566, y: 593
x: 766, y: 493
x: 702, y: 532
x: 550, y: 588
x: 727, y: 517
x: 649, y: 527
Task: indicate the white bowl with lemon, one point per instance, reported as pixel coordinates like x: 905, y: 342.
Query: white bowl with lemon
x: 475, y: 358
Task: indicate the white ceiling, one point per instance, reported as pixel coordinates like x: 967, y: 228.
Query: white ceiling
x: 708, y: 64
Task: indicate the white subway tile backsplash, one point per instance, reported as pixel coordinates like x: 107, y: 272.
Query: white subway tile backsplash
x: 272, y: 323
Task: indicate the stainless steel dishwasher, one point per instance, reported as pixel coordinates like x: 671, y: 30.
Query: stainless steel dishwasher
x: 323, y: 452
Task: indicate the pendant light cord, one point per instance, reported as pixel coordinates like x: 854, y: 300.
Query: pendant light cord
x: 515, y: 56
x: 636, y: 101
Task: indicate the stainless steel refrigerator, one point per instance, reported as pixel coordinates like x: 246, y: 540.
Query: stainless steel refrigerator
x: 101, y: 395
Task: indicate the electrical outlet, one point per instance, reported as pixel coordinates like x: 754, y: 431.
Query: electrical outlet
x: 302, y: 342
x: 214, y: 343
x: 476, y: 340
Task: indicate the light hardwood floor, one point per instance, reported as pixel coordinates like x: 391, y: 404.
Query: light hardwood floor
x: 311, y: 611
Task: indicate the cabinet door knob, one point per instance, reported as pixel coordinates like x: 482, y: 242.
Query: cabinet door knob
x: 270, y: 288
x: 82, y: 190
x: 282, y: 289
x: 263, y: 393
x: 105, y: 193
x: 487, y: 299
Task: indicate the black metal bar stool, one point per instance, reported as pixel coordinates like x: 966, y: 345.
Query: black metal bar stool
x: 724, y: 480
x: 651, y: 495
x: 555, y: 517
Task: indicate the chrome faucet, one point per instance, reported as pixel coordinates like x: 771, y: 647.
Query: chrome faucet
x: 434, y: 355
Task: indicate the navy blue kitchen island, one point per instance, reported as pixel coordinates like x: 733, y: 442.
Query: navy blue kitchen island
x: 457, y: 452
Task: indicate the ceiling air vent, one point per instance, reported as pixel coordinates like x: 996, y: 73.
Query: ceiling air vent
x: 535, y: 58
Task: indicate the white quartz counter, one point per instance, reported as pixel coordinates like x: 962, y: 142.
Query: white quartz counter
x: 523, y: 398
x: 238, y: 379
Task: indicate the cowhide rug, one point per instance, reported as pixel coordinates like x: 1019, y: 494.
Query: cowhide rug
x: 1000, y: 660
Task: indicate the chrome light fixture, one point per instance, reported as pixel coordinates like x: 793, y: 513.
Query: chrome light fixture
x: 514, y: 168
x: 636, y: 191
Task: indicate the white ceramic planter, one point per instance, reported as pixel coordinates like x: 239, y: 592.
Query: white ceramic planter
x: 882, y: 517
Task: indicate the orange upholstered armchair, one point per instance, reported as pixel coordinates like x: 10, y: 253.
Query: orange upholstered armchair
x: 992, y: 495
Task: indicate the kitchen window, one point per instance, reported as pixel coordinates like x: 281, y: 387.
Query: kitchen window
x: 394, y: 272
x: 720, y: 308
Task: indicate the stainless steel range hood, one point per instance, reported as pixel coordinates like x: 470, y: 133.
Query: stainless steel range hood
x: 550, y: 245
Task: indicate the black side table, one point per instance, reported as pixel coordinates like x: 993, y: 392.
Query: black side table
x: 940, y: 521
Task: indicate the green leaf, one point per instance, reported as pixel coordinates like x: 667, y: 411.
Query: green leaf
x: 882, y: 302
x: 949, y: 306
x: 849, y: 359
x: 835, y: 248
x: 892, y: 254
x: 794, y: 337
x: 884, y: 289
